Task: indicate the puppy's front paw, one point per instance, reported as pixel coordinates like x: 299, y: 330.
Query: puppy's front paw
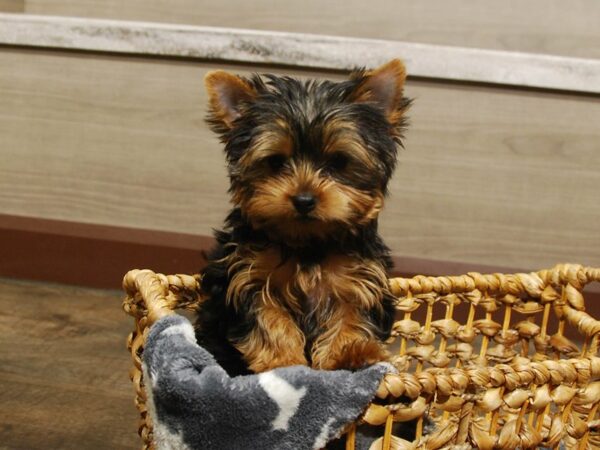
x: 353, y: 355
x: 267, y: 361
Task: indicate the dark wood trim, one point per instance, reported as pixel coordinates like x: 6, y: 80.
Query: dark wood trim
x: 104, y: 232
x: 99, y: 255
x: 406, y: 266
x: 89, y: 254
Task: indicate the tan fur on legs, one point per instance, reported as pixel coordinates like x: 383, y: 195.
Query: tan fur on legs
x: 275, y: 341
x: 347, y: 343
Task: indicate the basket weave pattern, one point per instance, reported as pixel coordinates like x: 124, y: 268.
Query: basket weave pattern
x: 488, y: 361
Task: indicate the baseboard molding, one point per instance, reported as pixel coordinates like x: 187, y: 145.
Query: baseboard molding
x: 99, y: 255
x: 92, y: 255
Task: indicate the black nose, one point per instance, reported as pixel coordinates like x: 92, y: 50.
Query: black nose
x: 304, y: 202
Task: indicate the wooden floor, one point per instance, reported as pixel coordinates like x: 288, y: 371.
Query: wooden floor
x: 64, y: 369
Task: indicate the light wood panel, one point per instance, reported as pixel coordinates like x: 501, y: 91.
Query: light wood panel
x: 490, y: 176
x: 105, y: 140
x: 12, y: 6
x: 63, y: 369
x: 498, y: 175
x: 544, y: 26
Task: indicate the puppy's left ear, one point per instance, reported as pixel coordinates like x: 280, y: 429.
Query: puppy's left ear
x: 227, y: 95
x: 383, y: 86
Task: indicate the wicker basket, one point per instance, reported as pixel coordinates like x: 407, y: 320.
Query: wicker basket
x: 486, y: 361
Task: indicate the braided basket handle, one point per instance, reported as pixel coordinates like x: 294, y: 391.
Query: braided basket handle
x: 151, y: 296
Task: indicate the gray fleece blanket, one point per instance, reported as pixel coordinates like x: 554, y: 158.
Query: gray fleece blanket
x: 194, y: 404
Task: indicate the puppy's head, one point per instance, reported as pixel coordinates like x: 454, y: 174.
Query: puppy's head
x: 309, y: 159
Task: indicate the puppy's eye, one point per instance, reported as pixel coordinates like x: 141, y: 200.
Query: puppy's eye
x: 276, y: 162
x: 338, y: 161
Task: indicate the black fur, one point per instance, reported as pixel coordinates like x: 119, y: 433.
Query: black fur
x: 220, y: 324
x: 305, y: 107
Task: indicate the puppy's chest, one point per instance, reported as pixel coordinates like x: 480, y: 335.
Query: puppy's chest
x: 310, y: 286
x: 304, y: 284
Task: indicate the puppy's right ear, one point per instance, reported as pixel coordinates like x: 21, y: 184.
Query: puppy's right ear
x: 384, y: 87
x: 227, y: 94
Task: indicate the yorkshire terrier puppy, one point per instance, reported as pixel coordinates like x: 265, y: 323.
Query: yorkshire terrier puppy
x: 299, y: 275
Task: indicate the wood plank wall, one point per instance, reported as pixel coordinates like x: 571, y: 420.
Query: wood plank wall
x: 12, y: 6
x: 491, y: 175
x: 536, y: 26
